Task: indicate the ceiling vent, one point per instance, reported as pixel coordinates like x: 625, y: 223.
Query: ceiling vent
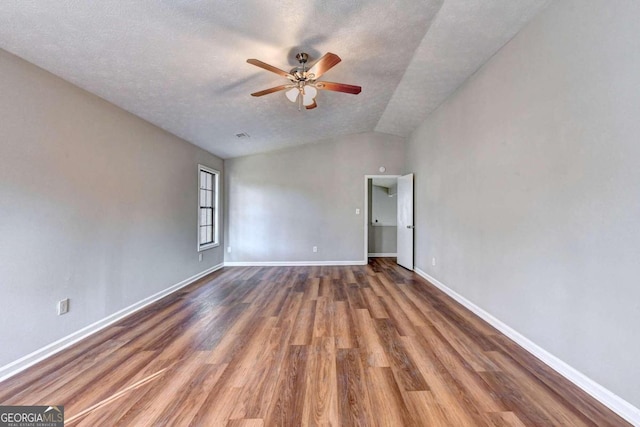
x: 242, y: 135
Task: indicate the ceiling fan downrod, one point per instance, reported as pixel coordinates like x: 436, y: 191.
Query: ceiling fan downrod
x: 301, y: 74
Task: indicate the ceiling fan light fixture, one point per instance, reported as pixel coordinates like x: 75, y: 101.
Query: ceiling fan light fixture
x: 309, y: 95
x: 292, y: 94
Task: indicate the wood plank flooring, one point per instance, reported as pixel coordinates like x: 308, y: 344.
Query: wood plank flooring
x: 371, y: 345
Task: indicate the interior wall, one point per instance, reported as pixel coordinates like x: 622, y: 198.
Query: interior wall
x: 281, y: 204
x: 527, y: 185
x: 383, y: 240
x: 385, y: 207
x: 96, y: 205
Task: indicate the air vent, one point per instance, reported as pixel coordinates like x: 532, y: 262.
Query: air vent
x: 242, y: 135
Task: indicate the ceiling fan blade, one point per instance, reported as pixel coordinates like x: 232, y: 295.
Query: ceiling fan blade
x: 268, y: 67
x: 271, y: 90
x: 312, y: 106
x: 324, y: 64
x: 339, y: 87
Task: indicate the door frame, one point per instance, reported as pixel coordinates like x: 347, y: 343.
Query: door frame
x: 365, y: 210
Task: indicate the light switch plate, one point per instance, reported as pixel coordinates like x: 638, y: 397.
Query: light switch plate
x: 63, y: 306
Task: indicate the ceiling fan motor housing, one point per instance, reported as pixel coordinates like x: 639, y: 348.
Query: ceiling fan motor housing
x: 300, y: 72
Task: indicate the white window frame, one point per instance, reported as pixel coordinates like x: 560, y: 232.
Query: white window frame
x: 215, y: 206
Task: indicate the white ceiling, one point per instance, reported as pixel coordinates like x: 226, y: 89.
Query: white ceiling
x: 180, y: 64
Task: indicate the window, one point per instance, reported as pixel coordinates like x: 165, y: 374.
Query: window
x: 207, y: 207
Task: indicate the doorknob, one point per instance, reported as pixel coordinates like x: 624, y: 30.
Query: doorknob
x: 410, y: 226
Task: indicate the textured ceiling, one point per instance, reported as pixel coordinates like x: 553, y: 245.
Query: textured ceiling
x: 180, y: 64
x: 464, y: 35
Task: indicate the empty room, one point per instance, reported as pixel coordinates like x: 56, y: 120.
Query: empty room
x: 367, y: 212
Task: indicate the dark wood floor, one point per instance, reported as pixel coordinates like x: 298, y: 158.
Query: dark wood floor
x: 362, y: 345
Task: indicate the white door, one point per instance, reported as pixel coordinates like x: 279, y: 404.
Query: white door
x: 405, y: 221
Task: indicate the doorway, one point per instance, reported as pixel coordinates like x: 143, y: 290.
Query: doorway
x: 388, y: 218
x: 382, y: 216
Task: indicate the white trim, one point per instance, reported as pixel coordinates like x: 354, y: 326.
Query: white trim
x: 30, y: 359
x: 216, y: 205
x: 366, y: 210
x: 605, y: 396
x: 289, y: 263
x: 380, y: 255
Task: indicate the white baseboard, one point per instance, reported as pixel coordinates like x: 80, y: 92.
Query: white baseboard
x: 55, y: 347
x: 289, y: 263
x: 381, y: 255
x: 605, y: 396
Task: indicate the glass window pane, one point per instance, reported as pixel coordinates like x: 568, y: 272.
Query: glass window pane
x: 207, y: 182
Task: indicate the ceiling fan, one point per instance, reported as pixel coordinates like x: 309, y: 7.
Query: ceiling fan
x: 304, y: 84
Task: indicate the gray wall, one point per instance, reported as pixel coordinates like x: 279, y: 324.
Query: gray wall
x: 383, y: 240
x: 95, y: 205
x: 283, y: 203
x: 385, y: 208
x: 528, y: 188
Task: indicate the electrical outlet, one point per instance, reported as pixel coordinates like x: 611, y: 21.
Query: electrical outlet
x: 200, y: 257
x: 315, y: 249
x: 63, y: 306
x: 357, y: 211
x: 228, y: 249
x: 433, y: 261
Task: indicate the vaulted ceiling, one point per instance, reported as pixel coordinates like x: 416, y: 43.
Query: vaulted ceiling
x: 181, y: 64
